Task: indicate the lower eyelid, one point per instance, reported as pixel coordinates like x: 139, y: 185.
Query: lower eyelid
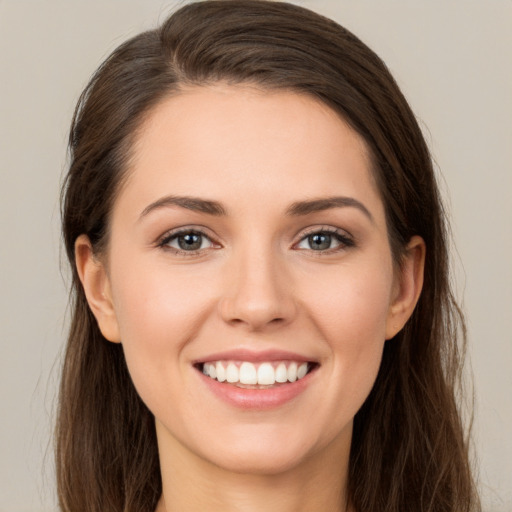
x: 341, y: 237
x: 166, y: 239
x: 204, y: 240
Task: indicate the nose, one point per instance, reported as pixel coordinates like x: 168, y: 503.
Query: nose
x: 258, y: 293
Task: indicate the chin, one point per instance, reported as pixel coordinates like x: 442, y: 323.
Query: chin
x: 259, y: 462
x: 262, y: 453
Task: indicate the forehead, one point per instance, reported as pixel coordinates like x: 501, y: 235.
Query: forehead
x: 241, y: 142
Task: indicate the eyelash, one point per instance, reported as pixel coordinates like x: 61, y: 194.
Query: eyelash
x: 164, y: 242
x: 345, y: 240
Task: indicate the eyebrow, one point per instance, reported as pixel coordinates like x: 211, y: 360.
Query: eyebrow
x: 296, y: 209
x: 190, y: 203
x: 319, y: 205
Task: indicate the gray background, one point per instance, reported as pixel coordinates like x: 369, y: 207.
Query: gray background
x: 453, y: 59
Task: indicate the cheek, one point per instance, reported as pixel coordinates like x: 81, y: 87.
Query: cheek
x: 351, y: 304
x: 350, y: 311
x: 158, y: 315
x: 153, y: 305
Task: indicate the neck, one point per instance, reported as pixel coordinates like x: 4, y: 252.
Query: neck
x: 315, y: 485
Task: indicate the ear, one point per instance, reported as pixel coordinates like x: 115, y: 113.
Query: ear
x: 96, y: 285
x: 407, y: 289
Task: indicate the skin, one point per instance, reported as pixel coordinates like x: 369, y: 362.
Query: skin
x: 255, y: 283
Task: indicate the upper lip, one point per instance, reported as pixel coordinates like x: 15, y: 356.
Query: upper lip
x: 254, y: 356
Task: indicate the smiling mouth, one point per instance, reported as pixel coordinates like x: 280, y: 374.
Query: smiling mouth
x: 263, y: 375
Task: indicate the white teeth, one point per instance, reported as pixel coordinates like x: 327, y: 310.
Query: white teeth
x: 281, y: 373
x: 292, y: 372
x: 263, y: 374
x: 248, y: 374
x: 232, y: 373
x: 221, y: 372
x: 266, y: 374
x: 301, y: 372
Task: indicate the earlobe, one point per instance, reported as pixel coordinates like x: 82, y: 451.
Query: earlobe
x: 96, y: 285
x: 408, y: 286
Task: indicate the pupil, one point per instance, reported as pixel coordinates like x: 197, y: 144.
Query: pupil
x: 191, y: 241
x: 320, y: 241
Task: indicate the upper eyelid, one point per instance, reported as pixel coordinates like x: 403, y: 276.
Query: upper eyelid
x: 345, y: 238
x: 204, y: 231
x: 323, y: 229
x: 320, y: 229
x: 164, y: 242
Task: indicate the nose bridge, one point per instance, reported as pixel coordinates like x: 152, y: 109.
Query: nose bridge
x: 259, y: 289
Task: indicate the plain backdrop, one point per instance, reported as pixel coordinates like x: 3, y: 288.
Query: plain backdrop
x: 453, y: 60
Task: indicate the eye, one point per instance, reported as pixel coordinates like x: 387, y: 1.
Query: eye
x: 325, y: 240
x: 186, y: 241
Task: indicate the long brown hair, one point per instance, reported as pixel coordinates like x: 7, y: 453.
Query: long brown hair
x: 409, y: 451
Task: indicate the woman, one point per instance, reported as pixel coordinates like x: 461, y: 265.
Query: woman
x: 262, y: 317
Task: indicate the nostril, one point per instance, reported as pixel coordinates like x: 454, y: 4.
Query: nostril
x: 251, y: 306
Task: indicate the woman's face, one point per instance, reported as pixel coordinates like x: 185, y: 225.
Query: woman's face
x: 249, y: 242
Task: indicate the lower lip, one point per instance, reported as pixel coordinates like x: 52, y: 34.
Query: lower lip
x: 257, y: 399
